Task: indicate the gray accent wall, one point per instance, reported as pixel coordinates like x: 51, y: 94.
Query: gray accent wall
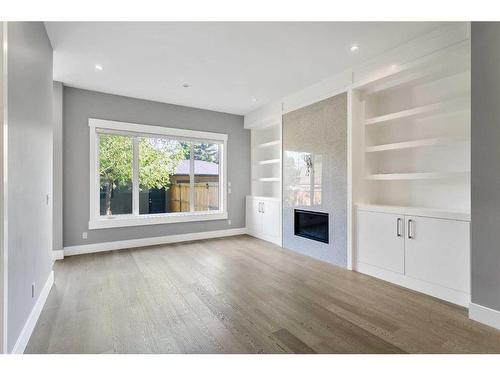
x: 485, y: 164
x: 29, y: 169
x: 318, y: 131
x: 80, y: 105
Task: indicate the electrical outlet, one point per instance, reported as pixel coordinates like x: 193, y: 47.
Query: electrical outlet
x: 229, y: 191
x: 229, y: 221
x: 33, y: 290
x: 84, y: 235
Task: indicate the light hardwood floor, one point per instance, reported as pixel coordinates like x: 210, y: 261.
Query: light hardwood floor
x: 241, y: 295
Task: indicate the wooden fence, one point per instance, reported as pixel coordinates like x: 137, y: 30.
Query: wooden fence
x: 206, y: 197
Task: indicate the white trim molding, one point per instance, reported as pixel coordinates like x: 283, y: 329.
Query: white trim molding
x: 57, y: 255
x: 484, y: 315
x: 141, y: 242
x: 454, y: 296
x: 96, y: 221
x: 29, y: 326
x: 133, y: 220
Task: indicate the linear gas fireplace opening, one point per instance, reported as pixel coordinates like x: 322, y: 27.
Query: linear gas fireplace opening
x: 311, y: 225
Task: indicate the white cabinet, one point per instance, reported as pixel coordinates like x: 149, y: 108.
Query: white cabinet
x: 381, y: 240
x: 263, y: 218
x: 253, y: 215
x: 271, y: 218
x: 428, y: 254
x: 437, y: 251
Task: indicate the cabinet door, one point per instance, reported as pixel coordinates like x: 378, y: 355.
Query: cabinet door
x: 253, y: 216
x: 380, y: 241
x: 271, y: 218
x: 438, y: 251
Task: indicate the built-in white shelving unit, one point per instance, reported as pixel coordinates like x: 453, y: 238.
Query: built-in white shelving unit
x: 411, y: 175
x: 263, y: 206
x: 411, y: 135
x: 266, y: 160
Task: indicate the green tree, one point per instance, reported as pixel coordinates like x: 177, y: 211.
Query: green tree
x: 158, y: 160
x: 207, y: 152
x: 202, y: 151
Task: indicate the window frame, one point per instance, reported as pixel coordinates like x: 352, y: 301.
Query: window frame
x: 97, y: 126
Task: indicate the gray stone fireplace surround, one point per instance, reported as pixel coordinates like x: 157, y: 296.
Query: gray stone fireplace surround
x: 315, y: 175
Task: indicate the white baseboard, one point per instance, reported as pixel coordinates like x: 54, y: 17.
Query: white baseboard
x: 484, y: 315
x: 57, y: 255
x: 140, y: 242
x: 29, y: 326
x: 438, y: 291
x: 273, y: 239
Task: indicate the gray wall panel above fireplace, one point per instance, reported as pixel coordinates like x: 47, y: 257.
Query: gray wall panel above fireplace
x: 318, y: 132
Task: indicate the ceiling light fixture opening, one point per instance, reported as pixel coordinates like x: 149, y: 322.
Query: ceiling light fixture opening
x: 354, y: 48
x: 98, y: 67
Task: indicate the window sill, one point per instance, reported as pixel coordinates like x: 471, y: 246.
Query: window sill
x: 136, y: 220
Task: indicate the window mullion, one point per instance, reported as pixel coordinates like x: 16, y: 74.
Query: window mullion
x: 191, y: 177
x: 135, y: 176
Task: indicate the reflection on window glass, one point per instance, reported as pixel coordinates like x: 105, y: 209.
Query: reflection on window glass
x: 318, y: 178
x: 115, y: 174
x: 163, y: 175
x: 206, y: 176
x: 304, y: 172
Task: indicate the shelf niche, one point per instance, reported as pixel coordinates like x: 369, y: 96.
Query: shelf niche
x: 411, y: 136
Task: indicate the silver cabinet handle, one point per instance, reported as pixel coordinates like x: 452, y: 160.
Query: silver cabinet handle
x: 260, y: 209
x: 263, y: 207
x: 410, y: 229
x: 398, y: 227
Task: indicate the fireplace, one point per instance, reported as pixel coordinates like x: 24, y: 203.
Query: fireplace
x: 311, y: 225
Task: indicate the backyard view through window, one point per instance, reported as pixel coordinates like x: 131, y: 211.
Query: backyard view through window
x: 115, y: 162
x: 149, y: 175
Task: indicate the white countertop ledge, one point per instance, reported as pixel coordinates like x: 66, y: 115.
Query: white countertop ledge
x: 417, y: 211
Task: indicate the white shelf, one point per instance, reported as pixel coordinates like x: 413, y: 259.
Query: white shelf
x: 440, y: 213
x: 447, y: 106
x: 426, y: 142
x: 418, y: 77
x: 415, y: 176
x: 269, y: 144
x: 268, y: 179
x: 268, y: 161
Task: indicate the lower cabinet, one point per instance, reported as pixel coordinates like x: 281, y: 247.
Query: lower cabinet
x: 428, y: 254
x: 437, y: 251
x: 263, y: 218
x: 380, y: 240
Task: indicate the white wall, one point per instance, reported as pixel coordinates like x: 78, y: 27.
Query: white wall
x: 29, y: 172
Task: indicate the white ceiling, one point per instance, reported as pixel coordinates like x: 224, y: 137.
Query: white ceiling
x: 225, y: 64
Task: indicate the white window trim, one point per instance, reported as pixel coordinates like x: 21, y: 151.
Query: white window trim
x: 96, y: 221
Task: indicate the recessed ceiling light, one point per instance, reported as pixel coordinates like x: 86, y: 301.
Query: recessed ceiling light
x: 98, y: 67
x: 255, y: 100
x: 185, y: 85
x: 354, y: 48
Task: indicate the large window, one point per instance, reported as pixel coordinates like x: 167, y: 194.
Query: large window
x: 142, y: 174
